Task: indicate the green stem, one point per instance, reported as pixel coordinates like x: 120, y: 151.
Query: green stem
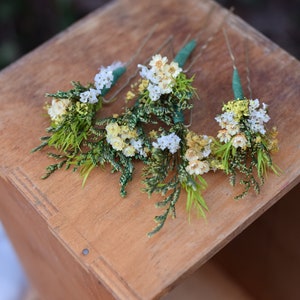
x: 236, y: 85
x: 184, y: 53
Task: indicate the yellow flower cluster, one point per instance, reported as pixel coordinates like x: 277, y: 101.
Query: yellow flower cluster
x: 82, y: 108
x: 120, y: 137
x: 239, y: 108
x: 139, y: 86
x: 197, y: 153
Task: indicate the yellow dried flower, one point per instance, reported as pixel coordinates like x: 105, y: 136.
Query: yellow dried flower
x: 216, y: 164
x: 240, y: 108
x: 153, y: 134
x: 117, y: 143
x: 113, y: 129
x: 258, y: 139
x: 143, y: 85
x: 196, y: 141
x: 129, y: 151
x: 130, y: 95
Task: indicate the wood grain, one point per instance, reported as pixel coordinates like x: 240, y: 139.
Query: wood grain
x: 265, y: 259
x: 121, y: 257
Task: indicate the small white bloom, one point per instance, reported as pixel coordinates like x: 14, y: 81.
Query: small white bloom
x: 197, y: 167
x: 256, y: 126
x: 129, y: 151
x: 154, y: 92
x: 165, y: 86
x: 232, y: 129
x: 191, y: 154
x: 253, y: 104
x: 158, y: 61
x: 115, y: 65
x: 138, y: 146
x: 89, y: 96
x: 265, y: 106
x: 257, y: 116
x: 113, y: 129
x: 104, y: 79
x: 58, y: 108
x: 239, y: 141
x: 173, y: 70
x: 206, y: 151
x: 144, y: 71
x: 223, y: 136
x: 116, y: 142
x: 225, y: 119
x: 170, y: 141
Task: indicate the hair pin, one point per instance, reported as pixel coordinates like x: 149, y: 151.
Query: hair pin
x: 72, y: 112
x: 244, y: 145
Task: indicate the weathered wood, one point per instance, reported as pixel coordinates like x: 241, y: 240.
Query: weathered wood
x: 265, y: 258
x: 209, y: 282
x: 66, y: 218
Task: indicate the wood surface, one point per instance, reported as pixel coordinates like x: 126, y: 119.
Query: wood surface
x: 121, y: 257
x: 265, y: 258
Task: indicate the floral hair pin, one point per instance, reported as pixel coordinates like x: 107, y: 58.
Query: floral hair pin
x: 244, y: 144
x: 72, y: 113
x: 179, y: 158
x: 176, y: 157
x: 121, y: 139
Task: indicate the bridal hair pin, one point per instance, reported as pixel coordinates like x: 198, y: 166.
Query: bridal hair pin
x: 79, y: 145
x: 120, y: 139
x: 72, y: 112
x: 179, y: 157
x: 244, y: 145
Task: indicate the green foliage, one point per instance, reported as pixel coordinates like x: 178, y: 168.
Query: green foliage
x: 72, y: 129
x: 165, y: 173
x: 251, y: 162
x: 161, y: 176
x: 193, y: 186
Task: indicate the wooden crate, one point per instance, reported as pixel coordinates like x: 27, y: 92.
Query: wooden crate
x: 52, y: 221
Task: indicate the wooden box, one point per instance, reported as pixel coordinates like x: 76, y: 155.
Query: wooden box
x: 88, y: 243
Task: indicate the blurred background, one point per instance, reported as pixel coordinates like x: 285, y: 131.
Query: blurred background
x: 25, y: 24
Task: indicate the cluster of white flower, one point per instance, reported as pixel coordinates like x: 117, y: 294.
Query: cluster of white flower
x: 255, y: 117
x: 161, y: 76
x: 258, y: 116
x: 230, y: 127
x: 58, y: 108
x: 197, y: 154
x: 170, y: 142
x: 102, y: 80
x: 121, y: 138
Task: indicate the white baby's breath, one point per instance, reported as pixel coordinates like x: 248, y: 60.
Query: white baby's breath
x: 161, y: 76
x: 170, y: 142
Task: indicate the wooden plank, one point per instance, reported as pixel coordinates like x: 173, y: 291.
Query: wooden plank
x: 265, y: 257
x: 52, y: 269
x: 121, y: 257
x: 209, y: 282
